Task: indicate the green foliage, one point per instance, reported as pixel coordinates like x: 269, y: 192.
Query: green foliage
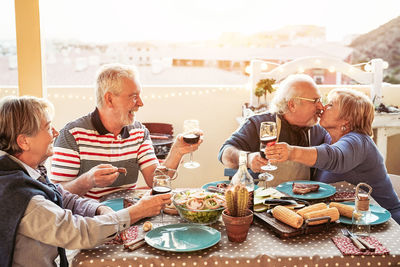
x: 263, y: 87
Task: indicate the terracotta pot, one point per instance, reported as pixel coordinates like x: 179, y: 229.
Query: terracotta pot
x: 237, y: 227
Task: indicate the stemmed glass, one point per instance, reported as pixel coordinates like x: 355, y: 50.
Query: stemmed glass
x: 190, y: 136
x: 161, y: 185
x: 268, y: 135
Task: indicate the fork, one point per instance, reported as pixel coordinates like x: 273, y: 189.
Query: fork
x: 354, y: 239
x: 362, y: 241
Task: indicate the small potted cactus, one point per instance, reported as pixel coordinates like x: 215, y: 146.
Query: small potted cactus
x: 237, y: 216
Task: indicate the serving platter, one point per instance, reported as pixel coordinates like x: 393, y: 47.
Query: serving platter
x: 378, y: 215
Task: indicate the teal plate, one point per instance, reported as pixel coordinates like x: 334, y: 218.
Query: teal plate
x: 325, y: 190
x: 182, y: 237
x: 378, y: 215
x: 220, y: 182
x: 116, y: 204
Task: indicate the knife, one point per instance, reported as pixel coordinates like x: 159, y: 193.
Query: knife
x: 354, y: 239
x: 215, y: 189
x: 362, y: 241
x: 278, y: 201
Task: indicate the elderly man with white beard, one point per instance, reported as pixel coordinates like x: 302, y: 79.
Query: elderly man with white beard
x: 295, y: 108
x: 90, y: 149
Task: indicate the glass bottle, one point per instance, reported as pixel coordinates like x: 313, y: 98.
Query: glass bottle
x: 361, y: 213
x: 243, y: 177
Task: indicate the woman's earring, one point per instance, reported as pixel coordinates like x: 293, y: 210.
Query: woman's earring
x: 343, y: 128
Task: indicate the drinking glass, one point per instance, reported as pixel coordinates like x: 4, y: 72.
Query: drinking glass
x: 268, y: 135
x: 161, y: 185
x: 266, y: 177
x: 190, y: 127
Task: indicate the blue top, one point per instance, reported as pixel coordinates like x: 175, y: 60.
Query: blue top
x: 354, y: 159
x: 247, y: 137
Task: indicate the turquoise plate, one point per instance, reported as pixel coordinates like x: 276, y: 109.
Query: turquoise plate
x: 220, y: 182
x: 182, y: 237
x: 325, y: 190
x: 116, y: 204
x: 378, y: 215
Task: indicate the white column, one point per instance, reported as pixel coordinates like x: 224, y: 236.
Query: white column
x: 376, y: 89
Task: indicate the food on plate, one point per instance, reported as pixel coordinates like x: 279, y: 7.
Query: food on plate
x: 301, y: 189
x: 122, y: 170
x: 331, y: 212
x: 147, y: 226
x: 262, y: 193
x: 287, y: 216
x: 199, y: 206
x: 344, y: 210
x: 318, y: 206
x: 128, y: 202
x: 223, y: 185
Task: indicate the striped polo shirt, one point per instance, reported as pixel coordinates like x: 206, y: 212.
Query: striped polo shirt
x: 86, y: 143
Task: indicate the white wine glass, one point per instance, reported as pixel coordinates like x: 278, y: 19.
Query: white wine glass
x: 191, y: 136
x: 268, y: 136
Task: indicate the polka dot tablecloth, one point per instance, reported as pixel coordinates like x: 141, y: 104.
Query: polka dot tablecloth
x: 262, y: 248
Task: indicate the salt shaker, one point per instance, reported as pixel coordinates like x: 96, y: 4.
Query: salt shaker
x: 361, y: 213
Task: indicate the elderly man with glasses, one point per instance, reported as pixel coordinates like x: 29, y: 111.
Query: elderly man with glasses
x: 296, y: 108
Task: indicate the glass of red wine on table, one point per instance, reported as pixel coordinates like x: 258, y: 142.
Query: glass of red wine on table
x: 190, y: 136
x: 268, y: 136
x: 161, y: 185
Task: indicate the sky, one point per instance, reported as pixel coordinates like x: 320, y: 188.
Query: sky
x: 188, y: 20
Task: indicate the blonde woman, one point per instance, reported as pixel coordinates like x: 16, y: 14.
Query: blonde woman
x: 352, y: 155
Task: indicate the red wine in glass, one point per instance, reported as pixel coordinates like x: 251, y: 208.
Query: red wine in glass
x: 268, y: 136
x: 160, y: 190
x: 191, y: 138
x: 266, y: 141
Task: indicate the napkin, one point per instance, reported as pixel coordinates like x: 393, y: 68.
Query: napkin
x: 127, y: 236
x: 346, y: 246
x: 343, y: 196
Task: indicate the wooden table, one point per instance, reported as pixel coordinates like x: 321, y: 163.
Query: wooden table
x: 261, y: 248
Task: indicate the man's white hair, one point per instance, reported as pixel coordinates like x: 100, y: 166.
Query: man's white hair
x: 109, y: 78
x: 287, y: 90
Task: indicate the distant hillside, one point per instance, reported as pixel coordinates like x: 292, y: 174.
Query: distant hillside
x: 383, y: 42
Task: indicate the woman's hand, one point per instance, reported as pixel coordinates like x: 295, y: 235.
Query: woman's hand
x: 279, y: 152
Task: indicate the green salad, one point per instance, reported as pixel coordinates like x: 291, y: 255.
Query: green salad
x: 198, y: 206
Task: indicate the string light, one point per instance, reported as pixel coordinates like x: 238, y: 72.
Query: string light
x: 152, y: 96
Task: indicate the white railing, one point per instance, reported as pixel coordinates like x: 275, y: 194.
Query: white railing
x: 217, y: 108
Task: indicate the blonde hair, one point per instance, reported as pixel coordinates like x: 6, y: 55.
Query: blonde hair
x: 109, y: 78
x: 355, y: 107
x: 287, y: 90
x: 20, y: 115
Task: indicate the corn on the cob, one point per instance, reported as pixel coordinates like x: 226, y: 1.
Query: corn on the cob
x: 287, y: 216
x: 318, y: 206
x: 331, y: 212
x: 343, y: 209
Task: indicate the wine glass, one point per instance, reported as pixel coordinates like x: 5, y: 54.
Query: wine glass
x: 268, y: 135
x: 161, y: 185
x: 190, y: 127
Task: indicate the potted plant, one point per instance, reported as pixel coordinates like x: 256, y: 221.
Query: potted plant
x: 237, y: 216
x: 264, y: 86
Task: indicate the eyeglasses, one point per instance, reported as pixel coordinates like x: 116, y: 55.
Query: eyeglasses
x: 313, y: 100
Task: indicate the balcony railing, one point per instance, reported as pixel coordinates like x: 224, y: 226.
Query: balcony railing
x: 216, y: 107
